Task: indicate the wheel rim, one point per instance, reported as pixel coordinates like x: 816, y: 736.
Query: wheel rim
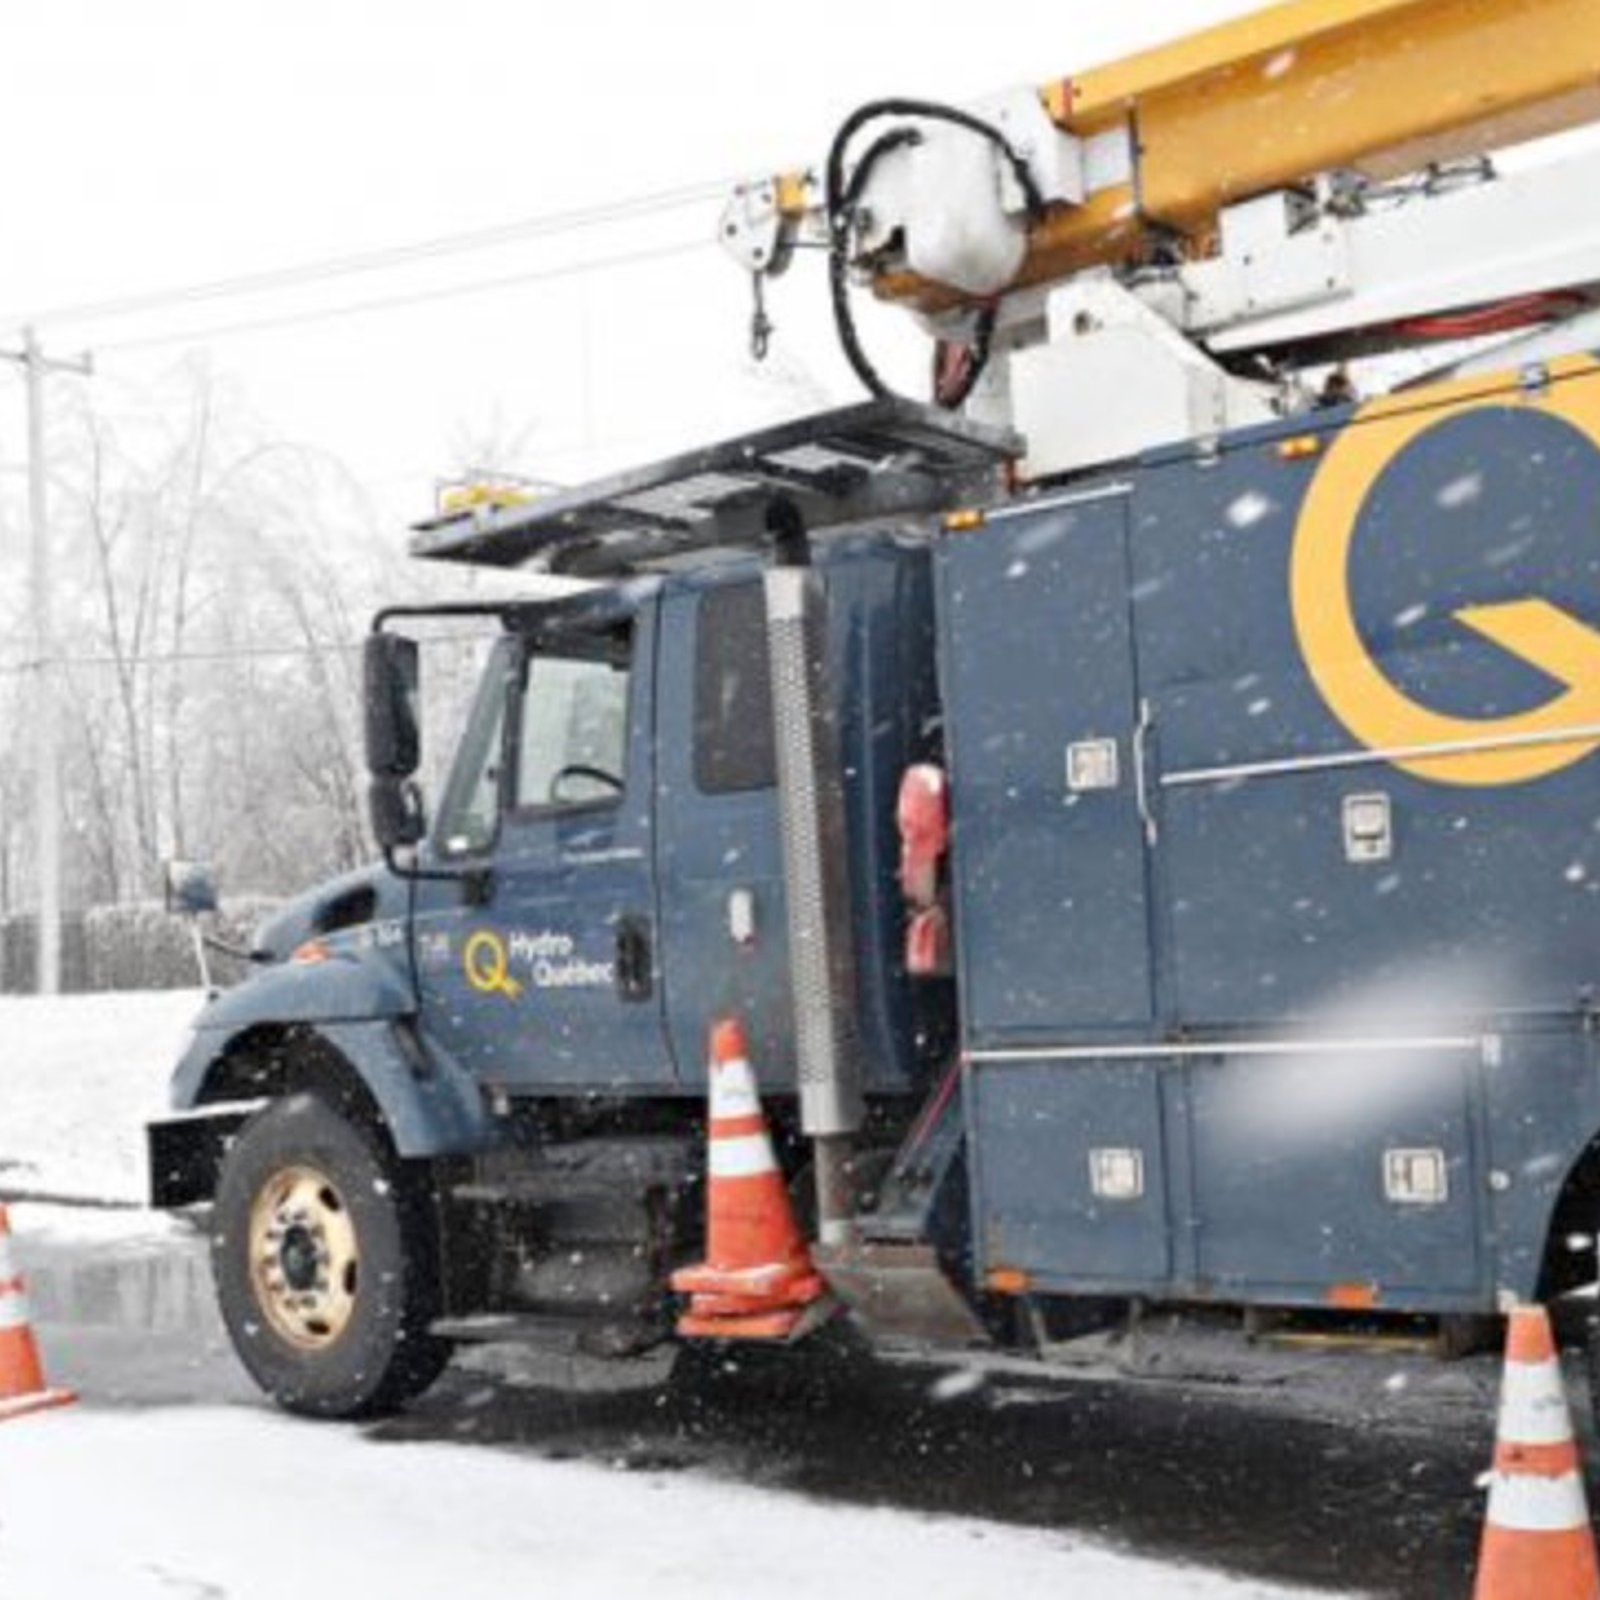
x: 304, y: 1261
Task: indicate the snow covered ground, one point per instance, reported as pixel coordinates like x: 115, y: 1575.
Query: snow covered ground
x: 113, y: 1501
x: 251, y: 1506
x: 79, y: 1077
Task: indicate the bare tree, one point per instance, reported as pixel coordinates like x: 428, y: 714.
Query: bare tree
x: 212, y: 686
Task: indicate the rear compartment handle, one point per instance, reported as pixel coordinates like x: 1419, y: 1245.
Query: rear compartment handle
x: 1141, y: 787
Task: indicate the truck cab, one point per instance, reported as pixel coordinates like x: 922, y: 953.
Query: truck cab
x: 509, y: 1018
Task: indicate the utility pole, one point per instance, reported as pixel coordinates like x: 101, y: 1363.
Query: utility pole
x: 47, y: 698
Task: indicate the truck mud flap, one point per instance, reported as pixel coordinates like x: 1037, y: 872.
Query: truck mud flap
x: 899, y: 1293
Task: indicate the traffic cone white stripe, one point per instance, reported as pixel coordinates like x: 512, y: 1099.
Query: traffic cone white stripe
x: 1524, y: 1504
x: 733, y: 1091
x: 13, y: 1302
x: 748, y: 1156
x: 1533, y: 1409
x: 13, y: 1306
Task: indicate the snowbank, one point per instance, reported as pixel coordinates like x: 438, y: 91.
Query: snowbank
x: 255, y: 1507
x: 79, y: 1076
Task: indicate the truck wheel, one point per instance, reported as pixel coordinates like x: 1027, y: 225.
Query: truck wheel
x: 324, y: 1267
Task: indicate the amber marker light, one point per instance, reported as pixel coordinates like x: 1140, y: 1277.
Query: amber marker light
x: 1008, y: 1280
x: 1353, y: 1296
x: 1300, y: 448
x: 963, y: 521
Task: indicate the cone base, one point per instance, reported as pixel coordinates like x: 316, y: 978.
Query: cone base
x: 772, y: 1281
x: 23, y: 1405
x: 723, y: 1294
x: 774, y: 1326
x: 740, y: 1305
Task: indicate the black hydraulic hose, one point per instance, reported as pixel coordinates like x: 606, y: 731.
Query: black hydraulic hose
x: 842, y: 199
x: 839, y: 218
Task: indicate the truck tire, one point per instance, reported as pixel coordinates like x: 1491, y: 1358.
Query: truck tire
x: 325, y: 1269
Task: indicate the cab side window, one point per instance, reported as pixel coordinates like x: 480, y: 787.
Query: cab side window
x: 733, y: 741
x: 572, y: 741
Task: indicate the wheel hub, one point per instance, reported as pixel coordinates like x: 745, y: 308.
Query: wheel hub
x: 304, y: 1262
x: 299, y: 1258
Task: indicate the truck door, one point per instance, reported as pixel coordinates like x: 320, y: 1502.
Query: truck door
x: 724, y: 935
x: 540, y: 971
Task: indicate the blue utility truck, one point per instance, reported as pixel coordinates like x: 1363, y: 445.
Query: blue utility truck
x: 1149, y: 831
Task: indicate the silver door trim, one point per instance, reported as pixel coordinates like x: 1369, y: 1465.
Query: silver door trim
x: 1485, y: 1044
x: 1054, y: 502
x: 1245, y: 770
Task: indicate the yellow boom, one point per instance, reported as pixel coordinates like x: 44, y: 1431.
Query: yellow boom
x: 1272, y: 99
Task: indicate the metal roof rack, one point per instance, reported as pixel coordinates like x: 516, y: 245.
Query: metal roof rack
x: 884, y: 457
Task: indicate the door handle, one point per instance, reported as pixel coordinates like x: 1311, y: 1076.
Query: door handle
x: 477, y: 887
x: 1141, y: 790
x: 634, y: 967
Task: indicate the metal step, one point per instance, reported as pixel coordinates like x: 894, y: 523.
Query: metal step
x: 568, y: 1212
x: 563, y: 1335
x: 582, y: 1166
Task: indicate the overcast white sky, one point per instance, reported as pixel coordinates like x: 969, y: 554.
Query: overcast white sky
x: 175, y: 142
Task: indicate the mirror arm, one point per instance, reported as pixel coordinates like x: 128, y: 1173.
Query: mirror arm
x: 415, y: 874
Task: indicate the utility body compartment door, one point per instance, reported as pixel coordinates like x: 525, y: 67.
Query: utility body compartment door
x: 1041, y: 726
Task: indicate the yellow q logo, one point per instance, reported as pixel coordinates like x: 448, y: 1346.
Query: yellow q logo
x: 1510, y: 749
x: 487, y: 966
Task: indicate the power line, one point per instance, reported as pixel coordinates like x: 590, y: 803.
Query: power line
x: 419, y: 297
x: 379, y: 260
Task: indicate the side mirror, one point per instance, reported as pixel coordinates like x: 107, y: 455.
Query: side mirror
x: 389, y: 671
x: 395, y: 806
x: 189, y: 887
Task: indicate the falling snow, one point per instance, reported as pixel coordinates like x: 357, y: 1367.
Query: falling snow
x: 1460, y: 491
x: 1249, y: 509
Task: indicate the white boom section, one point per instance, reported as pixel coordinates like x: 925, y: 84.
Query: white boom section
x: 1108, y: 364
x: 1283, y: 278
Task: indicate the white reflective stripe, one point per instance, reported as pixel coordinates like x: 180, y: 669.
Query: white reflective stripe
x: 733, y: 1090
x: 744, y: 1157
x: 1533, y: 1409
x: 13, y: 1309
x: 1529, y: 1504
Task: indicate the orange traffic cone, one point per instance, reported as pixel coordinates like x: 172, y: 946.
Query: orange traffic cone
x: 22, y: 1385
x: 1537, y: 1543
x: 757, y: 1281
